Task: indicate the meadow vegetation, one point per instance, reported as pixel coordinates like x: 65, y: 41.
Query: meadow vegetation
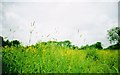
x: 58, y: 57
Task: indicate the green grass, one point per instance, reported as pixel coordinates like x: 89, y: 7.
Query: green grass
x: 50, y: 58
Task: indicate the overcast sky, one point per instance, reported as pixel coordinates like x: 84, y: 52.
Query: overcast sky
x: 80, y: 22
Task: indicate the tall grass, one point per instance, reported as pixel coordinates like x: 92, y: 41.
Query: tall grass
x: 50, y: 58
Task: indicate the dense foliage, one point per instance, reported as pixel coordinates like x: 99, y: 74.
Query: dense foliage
x: 114, y: 35
x: 51, y: 57
x: 113, y: 47
x: 97, y: 45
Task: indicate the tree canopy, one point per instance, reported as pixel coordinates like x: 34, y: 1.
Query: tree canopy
x: 114, y: 35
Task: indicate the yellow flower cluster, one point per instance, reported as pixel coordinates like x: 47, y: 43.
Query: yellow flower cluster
x: 31, y: 49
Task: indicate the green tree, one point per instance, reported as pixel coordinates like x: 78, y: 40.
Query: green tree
x: 15, y: 43
x: 114, y: 35
x: 97, y: 45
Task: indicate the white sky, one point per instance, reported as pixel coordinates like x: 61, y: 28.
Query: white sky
x: 60, y: 0
x: 59, y: 19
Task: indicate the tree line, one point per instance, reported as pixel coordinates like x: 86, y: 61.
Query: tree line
x: 113, y: 37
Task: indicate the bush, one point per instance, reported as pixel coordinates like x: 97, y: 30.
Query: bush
x: 113, y: 47
x: 11, y: 43
x: 97, y: 45
x: 91, y: 54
